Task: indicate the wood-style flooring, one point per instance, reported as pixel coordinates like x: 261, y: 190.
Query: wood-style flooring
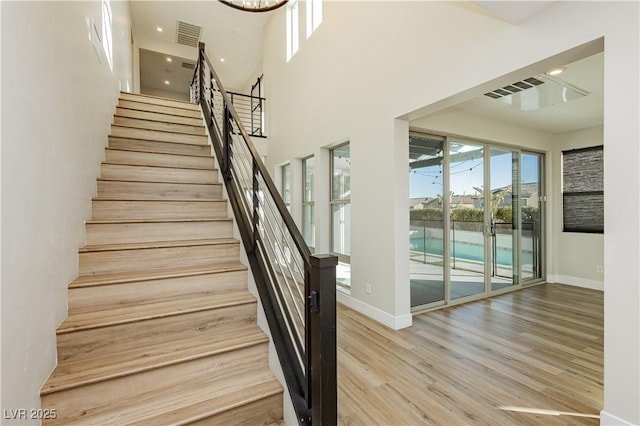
x: 532, y: 357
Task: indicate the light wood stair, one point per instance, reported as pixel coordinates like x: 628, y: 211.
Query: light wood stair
x: 161, y: 328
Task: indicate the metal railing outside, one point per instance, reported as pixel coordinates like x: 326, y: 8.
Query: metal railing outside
x: 297, y: 289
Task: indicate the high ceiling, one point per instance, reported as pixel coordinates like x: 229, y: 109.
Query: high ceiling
x: 236, y: 37
x: 165, y: 72
x: 229, y: 34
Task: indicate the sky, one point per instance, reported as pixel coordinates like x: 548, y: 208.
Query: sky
x: 427, y: 182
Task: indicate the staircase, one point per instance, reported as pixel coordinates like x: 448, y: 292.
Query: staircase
x: 161, y: 328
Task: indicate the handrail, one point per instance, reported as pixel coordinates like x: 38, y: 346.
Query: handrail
x: 297, y: 289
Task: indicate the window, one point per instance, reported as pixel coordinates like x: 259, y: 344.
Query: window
x: 314, y: 16
x: 292, y: 29
x: 583, y: 190
x: 286, y: 185
x: 341, y: 202
x: 308, y: 220
x: 107, y: 35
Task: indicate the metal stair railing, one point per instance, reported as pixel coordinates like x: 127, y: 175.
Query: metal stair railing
x: 297, y: 289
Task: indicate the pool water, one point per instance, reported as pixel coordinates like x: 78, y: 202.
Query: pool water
x: 466, y: 251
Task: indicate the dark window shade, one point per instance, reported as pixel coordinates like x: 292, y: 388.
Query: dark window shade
x: 583, y: 190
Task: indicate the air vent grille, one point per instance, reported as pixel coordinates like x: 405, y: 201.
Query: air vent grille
x: 516, y: 87
x: 188, y: 65
x: 188, y: 34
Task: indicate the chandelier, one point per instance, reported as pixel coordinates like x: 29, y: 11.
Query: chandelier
x: 254, y: 5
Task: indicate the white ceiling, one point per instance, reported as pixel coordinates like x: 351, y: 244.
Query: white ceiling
x: 237, y: 37
x: 231, y: 34
x: 514, y: 12
x: 586, y: 74
x: 156, y: 69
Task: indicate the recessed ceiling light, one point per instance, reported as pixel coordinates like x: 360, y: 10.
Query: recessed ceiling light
x: 221, y: 59
x: 169, y: 59
x: 159, y: 29
x: 167, y: 82
x: 556, y: 71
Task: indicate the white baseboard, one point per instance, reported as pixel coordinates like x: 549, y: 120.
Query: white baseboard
x: 394, y: 322
x: 608, y: 419
x: 576, y: 281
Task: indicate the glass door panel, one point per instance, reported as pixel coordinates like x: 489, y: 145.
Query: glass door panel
x: 531, y: 216
x: 426, y: 212
x: 503, y: 234
x: 467, y: 220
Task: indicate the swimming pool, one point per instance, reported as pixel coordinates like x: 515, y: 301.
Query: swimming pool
x: 465, y: 250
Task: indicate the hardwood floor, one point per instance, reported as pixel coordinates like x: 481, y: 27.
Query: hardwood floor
x: 524, y: 358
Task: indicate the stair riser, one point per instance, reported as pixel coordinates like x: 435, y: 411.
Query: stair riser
x: 262, y: 412
x: 159, y: 160
x: 187, y: 324
x: 156, y: 135
x: 103, y: 210
x: 157, y: 101
x: 159, y: 147
x: 157, y: 174
x: 99, y: 397
x: 167, y: 118
x: 102, y: 297
x: 159, y: 125
x: 149, y: 191
x: 140, y: 106
x: 157, y: 258
x: 123, y: 233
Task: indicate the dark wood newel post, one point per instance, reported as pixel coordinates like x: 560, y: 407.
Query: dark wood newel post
x: 322, y: 308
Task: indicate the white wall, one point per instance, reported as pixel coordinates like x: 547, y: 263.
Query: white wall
x: 372, y: 62
x: 577, y: 255
x: 58, y: 100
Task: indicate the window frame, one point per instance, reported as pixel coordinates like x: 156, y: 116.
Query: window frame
x: 314, y: 16
x: 343, y: 258
x: 293, y: 25
x: 308, y: 201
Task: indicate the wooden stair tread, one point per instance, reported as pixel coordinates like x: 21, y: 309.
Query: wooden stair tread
x: 158, y: 120
x: 137, y: 105
x: 139, y: 97
x: 112, y: 221
x: 204, y: 148
x: 106, y: 356
x: 200, y: 399
x: 129, y: 131
x: 157, y: 244
x: 154, y: 166
x: 101, y: 179
x: 160, y: 200
x: 160, y: 153
x: 168, y: 118
x: 156, y: 309
x: 153, y: 274
x: 212, y: 406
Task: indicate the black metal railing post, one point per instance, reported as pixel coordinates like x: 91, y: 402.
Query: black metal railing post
x: 322, y: 327
x: 226, y: 135
x: 256, y: 203
x: 200, y: 71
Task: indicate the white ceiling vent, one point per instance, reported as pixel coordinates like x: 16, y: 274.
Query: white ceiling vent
x: 516, y: 87
x: 188, y: 34
x: 188, y: 65
x: 537, y: 92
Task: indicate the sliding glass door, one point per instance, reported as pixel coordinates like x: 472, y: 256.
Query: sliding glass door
x: 531, y: 247
x: 503, y: 233
x: 426, y: 225
x: 467, y: 257
x: 475, y: 219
